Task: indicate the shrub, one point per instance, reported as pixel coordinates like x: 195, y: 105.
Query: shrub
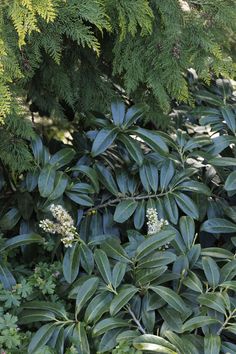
x: 127, y: 283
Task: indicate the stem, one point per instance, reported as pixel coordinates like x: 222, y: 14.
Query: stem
x: 226, y: 322
x: 140, y: 327
x: 117, y: 200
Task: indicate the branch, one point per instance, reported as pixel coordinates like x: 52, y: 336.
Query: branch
x: 140, y: 327
x: 120, y: 199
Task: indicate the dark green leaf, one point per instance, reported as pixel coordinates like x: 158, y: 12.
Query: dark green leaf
x: 230, y: 183
x: 122, y: 298
x: 118, y: 274
x: 87, y: 260
x: 103, y: 265
x: 124, y: 210
x: 46, y: 180
x: 229, y: 118
x: 211, y: 271
x: 139, y: 215
x: 212, y: 344
x: 218, y: 225
x: 99, y: 305
x: 21, y: 240
x: 81, y: 199
x: 109, y: 323
x: 114, y: 250
x: 133, y: 148
x: 214, y: 301
x: 167, y: 173
x: 171, y: 297
x: 62, y: 157
x: 106, y: 179
x: 154, y: 242
x: 90, y: 173
x: 186, y: 205
x: 103, y: 140
x: 6, y: 277
x: 71, y: 262
x: 10, y: 219
x: 41, y: 337
x: 60, y: 184
x: 85, y: 292
x: 118, y: 112
x: 197, y: 322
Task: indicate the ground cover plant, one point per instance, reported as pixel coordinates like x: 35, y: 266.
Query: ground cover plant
x: 124, y: 240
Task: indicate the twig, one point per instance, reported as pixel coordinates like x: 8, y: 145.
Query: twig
x: 140, y: 327
x: 120, y: 199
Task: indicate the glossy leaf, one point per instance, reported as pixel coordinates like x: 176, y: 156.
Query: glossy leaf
x: 107, y: 324
x: 103, y: 140
x: 99, y: 305
x: 187, y: 205
x: 62, y: 157
x: 21, y: 240
x: 211, y: 271
x: 171, y: 297
x: 122, y: 298
x: 46, y: 180
x: 155, y: 344
x: 218, y: 225
x: 103, y: 265
x: 71, y: 262
x: 85, y: 292
x: 154, y: 242
x: 124, y: 210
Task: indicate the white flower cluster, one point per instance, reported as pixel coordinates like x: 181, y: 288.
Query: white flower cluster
x: 154, y: 224
x: 64, y: 225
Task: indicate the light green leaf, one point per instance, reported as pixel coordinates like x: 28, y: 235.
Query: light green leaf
x: 155, y: 344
